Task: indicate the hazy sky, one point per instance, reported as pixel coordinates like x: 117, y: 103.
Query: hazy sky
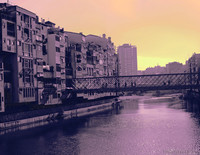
x: 163, y: 30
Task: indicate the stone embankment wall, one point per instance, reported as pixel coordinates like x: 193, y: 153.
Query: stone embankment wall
x: 52, y: 115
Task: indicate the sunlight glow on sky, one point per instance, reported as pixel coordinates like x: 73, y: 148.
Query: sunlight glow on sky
x: 163, y: 30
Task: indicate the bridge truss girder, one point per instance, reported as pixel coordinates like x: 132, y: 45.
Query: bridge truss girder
x: 136, y: 83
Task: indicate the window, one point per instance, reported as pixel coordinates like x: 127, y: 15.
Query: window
x: 26, y: 33
x: 58, y: 68
x: 31, y: 22
x: 30, y: 35
x: 26, y: 19
x: 57, y: 38
x: 44, y: 50
x: 27, y: 65
x: 27, y: 50
x: 8, y: 42
x: 10, y: 29
x: 62, y: 60
x: 1, y: 65
x: 22, y: 47
x: 79, y: 68
x: 58, y: 81
x: 55, y: 95
x: 1, y: 77
x: 19, y: 43
x: 18, y: 27
x: 78, y: 47
x: 22, y: 33
x: 78, y: 58
x: 40, y: 63
x: 9, y: 48
x: 57, y: 49
x: 13, y: 42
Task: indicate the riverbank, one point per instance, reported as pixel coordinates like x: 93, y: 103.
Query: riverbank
x: 29, y: 119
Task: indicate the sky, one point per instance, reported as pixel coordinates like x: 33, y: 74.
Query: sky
x: 163, y: 30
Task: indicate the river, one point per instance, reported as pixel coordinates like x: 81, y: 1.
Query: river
x: 143, y: 126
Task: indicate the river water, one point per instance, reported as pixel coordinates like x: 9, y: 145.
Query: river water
x: 143, y: 126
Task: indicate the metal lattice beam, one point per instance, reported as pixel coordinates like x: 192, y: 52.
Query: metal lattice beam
x: 137, y: 82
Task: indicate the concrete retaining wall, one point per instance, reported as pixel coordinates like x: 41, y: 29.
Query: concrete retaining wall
x: 22, y: 124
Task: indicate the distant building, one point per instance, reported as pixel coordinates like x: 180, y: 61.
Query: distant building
x: 127, y: 60
x: 193, y: 64
x: 174, y: 67
x: 155, y: 70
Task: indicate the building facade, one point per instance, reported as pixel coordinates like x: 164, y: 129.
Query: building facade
x: 101, y: 58
x: 18, y: 52
x: 174, y: 67
x: 154, y: 70
x: 39, y: 60
x: 89, y: 56
x: 193, y: 64
x: 127, y: 60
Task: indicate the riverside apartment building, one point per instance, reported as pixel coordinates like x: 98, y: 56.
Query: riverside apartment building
x: 39, y: 60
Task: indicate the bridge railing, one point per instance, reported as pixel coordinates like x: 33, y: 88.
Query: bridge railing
x: 162, y: 81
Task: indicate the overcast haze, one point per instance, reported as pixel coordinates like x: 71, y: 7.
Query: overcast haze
x: 162, y: 30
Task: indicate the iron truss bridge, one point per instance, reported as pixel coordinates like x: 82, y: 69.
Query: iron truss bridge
x: 136, y: 83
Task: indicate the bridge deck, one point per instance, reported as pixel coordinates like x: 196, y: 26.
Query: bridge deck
x: 136, y: 82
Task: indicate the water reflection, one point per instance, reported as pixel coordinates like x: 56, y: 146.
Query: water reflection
x: 141, y: 127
